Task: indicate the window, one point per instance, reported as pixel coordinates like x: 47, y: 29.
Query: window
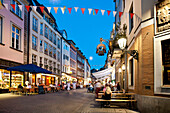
x: 123, y: 4
x: 34, y: 59
x: 130, y: 19
x: 34, y: 42
x: 50, y: 50
x: 54, y: 52
x: 131, y: 73
x: 45, y: 63
x: 46, y: 48
x: 50, y: 36
x: 58, y: 43
x: 35, y: 24
x: 54, y: 38
x: 17, y: 10
x: 50, y: 65
x: 41, y: 62
x: 166, y: 61
x: 58, y: 56
x: 0, y: 30
x: 46, y: 31
x: 15, y: 37
x: 41, y: 29
x: 41, y: 46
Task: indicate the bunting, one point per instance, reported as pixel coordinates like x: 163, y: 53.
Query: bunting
x: 76, y: 8
x: 6, y: 6
x: 96, y: 10
x: 63, y: 9
x: 13, y: 6
x: 28, y: 8
x: 49, y: 9
x: 131, y: 15
x: 83, y: 9
x: 89, y: 10
x: 120, y: 14
x: 55, y: 9
x: 42, y: 9
x: 34, y: 7
x: 108, y: 12
x: 102, y: 11
x: 114, y: 13
x: 69, y: 9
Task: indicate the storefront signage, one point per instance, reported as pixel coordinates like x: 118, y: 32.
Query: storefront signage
x: 163, y: 16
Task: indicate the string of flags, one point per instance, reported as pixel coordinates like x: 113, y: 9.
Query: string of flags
x: 63, y: 9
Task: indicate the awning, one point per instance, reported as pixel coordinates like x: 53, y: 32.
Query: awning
x: 103, y: 73
x: 29, y: 68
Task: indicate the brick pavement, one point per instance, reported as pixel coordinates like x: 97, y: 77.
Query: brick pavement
x: 61, y: 102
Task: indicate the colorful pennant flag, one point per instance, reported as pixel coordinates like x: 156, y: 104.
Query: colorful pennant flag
x: 96, y: 10
x: 76, y: 8
x: 114, y: 13
x: 55, y: 9
x: 42, y: 9
x: 69, y: 9
x: 63, y: 9
x: 28, y: 8
x: 131, y: 15
x: 34, y: 7
x: 6, y: 6
x: 1, y: 7
x: 102, y: 11
x: 49, y: 9
x: 108, y: 12
x: 20, y: 7
x: 120, y: 14
x: 93, y: 12
x: 83, y: 9
x: 13, y: 6
x: 89, y: 10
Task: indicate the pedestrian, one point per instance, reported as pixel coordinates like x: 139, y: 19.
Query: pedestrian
x: 98, y: 88
x: 107, y: 94
x: 68, y: 86
x: 118, y: 86
x: 74, y: 85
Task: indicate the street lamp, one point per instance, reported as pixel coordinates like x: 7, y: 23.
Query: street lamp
x: 122, y: 43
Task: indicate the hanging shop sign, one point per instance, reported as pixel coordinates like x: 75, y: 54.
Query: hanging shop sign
x: 162, y: 16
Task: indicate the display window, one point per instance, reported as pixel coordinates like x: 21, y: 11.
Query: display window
x: 4, y: 79
x: 16, y: 79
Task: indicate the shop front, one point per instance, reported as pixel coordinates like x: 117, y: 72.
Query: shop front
x: 65, y: 78
x: 45, y: 79
x: 6, y: 81
x: 162, y: 49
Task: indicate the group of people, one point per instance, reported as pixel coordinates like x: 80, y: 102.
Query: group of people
x: 68, y: 86
x: 107, y: 89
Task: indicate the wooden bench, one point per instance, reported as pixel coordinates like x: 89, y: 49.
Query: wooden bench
x: 117, y: 97
x: 116, y: 100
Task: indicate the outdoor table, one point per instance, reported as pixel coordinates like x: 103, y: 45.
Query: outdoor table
x: 28, y: 90
x: 118, y: 94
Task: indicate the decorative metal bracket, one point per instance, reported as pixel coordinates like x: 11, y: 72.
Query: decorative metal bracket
x: 133, y: 53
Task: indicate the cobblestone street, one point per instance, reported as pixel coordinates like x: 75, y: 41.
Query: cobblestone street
x: 61, y: 102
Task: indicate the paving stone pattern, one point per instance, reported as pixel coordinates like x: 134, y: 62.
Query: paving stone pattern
x: 75, y: 101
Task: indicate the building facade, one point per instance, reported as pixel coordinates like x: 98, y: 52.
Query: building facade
x: 147, y: 33
x: 73, y: 59
x: 87, y: 73
x: 44, y: 45
x: 11, y: 42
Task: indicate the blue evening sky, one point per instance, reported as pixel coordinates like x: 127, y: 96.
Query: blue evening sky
x: 85, y: 30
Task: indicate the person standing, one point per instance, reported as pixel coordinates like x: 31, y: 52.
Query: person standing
x: 98, y: 88
x: 74, y: 85
x: 118, y: 86
x: 68, y: 86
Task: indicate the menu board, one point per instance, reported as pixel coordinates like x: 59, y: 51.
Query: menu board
x: 166, y: 52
